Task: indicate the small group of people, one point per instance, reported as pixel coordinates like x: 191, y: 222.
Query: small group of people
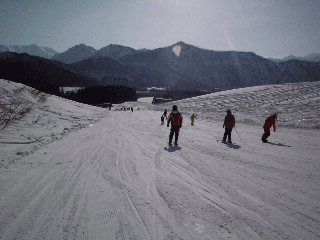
x: 175, y: 118
x: 229, y: 123
x: 124, y: 109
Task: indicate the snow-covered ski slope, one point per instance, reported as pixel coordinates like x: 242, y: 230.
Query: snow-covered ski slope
x: 118, y: 179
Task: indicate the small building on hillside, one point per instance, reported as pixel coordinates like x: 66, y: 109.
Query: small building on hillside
x: 105, y: 105
x: 160, y: 100
x: 69, y: 89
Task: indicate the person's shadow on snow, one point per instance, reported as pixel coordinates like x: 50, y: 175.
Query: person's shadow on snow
x: 278, y: 144
x: 234, y: 146
x: 172, y: 148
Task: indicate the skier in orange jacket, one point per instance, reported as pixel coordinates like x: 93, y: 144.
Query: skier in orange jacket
x: 175, y: 118
x: 270, y: 121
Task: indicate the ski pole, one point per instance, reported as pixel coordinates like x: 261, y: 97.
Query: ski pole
x: 237, y: 132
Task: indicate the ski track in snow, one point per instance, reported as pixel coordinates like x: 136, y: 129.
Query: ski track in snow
x: 118, y: 179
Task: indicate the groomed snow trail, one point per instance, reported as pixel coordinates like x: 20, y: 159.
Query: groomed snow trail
x: 119, y: 180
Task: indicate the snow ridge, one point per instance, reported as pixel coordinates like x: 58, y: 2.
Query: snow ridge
x: 297, y: 104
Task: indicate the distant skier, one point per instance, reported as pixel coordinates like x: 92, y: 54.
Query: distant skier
x: 162, y: 120
x: 269, y: 122
x: 229, y: 123
x: 192, y: 118
x: 175, y: 118
x: 165, y: 113
x: 131, y: 109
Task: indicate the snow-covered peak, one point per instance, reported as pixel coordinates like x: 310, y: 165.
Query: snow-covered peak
x: 32, y: 49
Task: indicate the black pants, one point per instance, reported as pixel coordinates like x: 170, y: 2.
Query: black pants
x: 174, y: 130
x: 265, y: 135
x: 227, y: 133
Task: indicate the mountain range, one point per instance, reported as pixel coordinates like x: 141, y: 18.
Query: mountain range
x: 113, y: 50
x: 181, y: 66
x: 313, y: 57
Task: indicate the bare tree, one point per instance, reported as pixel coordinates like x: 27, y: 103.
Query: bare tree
x: 13, y: 109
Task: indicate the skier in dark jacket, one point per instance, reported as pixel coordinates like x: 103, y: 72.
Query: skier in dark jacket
x: 229, y: 123
x: 165, y: 113
x: 269, y: 122
x: 175, y: 118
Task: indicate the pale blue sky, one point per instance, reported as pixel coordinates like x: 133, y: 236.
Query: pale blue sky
x: 269, y: 28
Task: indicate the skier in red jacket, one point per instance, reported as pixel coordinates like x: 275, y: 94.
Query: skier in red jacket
x: 270, y: 121
x: 175, y: 118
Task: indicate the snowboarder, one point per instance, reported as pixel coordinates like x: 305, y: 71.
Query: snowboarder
x: 162, y: 120
x: 165, y: 113
x: 229, y: 123
x: 192, y: 118
x: 175, y: 118
x: 269, y: 122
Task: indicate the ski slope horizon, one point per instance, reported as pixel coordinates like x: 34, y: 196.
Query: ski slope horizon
x: 75, y: 171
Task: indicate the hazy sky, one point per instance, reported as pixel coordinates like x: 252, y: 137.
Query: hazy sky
x: 269, y: 28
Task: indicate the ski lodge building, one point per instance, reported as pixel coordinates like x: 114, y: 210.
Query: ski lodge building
x: 161, y: 100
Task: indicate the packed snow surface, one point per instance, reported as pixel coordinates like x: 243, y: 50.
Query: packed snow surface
x: 73, y: 171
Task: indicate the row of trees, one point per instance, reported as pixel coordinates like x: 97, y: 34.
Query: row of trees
x: 103, y: 94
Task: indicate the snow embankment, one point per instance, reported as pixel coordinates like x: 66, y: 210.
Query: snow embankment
x: 297, y: 104
x: 50, y: 118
